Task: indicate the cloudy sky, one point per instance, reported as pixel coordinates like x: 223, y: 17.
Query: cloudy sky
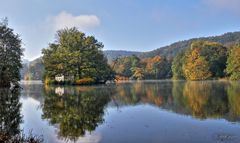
x: 137, y: 25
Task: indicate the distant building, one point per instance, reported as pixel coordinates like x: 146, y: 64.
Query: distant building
x: 59, y: 78
x: 59, y: 91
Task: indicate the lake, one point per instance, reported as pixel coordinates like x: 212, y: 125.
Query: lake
x: 141, y: 111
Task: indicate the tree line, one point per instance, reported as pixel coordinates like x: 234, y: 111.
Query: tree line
x: 133, y: 67
x: 207, y: 60
x: 79, y: 59
x: 201, y: 61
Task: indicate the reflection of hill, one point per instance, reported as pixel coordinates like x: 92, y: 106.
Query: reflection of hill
x: 77, y: 110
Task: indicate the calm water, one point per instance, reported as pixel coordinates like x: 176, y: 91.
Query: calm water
x: 141, y: 112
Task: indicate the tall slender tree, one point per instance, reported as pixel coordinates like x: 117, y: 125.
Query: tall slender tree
x: 10, y: 55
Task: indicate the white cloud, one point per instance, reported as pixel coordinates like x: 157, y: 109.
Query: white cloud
x: 82, y: 22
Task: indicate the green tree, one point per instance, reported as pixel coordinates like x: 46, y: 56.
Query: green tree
x: 215, y: 54
x: 177, y: 65
x: 233, y: 63
x: 10, y: 55
x: 76, y: 56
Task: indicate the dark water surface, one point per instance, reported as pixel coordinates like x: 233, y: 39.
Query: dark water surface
x: 134, y: 112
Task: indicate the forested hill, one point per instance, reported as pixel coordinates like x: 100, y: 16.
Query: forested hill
x: 113, y: 54
x: 33, y: 70
x: 171, y: 50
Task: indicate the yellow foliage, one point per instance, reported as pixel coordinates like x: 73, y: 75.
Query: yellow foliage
x: 196, y: 67
x: 197, y: 95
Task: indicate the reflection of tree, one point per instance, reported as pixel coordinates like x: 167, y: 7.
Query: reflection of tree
x: 201, y: 99
x: 10, y: 116
x: 196, y: 95
x: 234, y: 99
x: 206, y: 99
x: 179, y: 101
x: 139, y: 92
x: 76, y: 111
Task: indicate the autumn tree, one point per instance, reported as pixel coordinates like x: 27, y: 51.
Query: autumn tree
x: 233, y: 63
x: 215, y: 54
x: 10, y: 55
x: 127, y: 66
x: 196, y: 67
x: 157, y: 67
x: 138, y: 73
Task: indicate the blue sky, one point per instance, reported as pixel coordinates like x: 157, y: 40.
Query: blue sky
x: 136, y: 25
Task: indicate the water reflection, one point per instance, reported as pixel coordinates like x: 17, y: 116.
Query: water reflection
x: 10, y: 117
x: 201, y: 100
x: 206, y: 99
x: 75, y: 109
x: 234, y: 100
x: 142, y: 92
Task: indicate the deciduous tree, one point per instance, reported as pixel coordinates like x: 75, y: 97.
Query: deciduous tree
x: 10, y: 55
x: 233, y: 63
x: 196, y: 67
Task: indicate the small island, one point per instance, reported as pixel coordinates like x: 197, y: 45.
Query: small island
x: 75, y: 59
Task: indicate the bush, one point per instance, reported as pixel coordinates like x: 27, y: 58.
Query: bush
x: 85, y: 81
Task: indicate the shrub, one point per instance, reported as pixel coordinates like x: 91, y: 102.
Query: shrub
x: 85, y: 81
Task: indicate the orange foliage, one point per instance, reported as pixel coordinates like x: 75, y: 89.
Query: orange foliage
x: 84, y: 81
x: 149, y: 62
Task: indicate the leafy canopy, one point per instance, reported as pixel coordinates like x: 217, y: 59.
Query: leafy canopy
x: 10, y: 55
x: 233, y: 63
x: 77, y: 56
